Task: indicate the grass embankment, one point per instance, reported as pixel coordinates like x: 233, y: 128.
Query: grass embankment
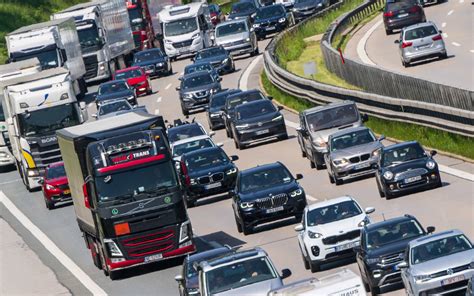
x: 429, y: 137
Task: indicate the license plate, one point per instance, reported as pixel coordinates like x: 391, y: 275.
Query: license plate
x: 262, y: 132
x: 274, y: 210
x: 153, y: 258
x: 424, y: 46
x: 213, y: 185
x: 452, y: 280
x: 270, y: 28
x: 184, y: 49
x: 346, y: 246
x: 412, y: 179
x: 362, y: 166
x: 403, y: 15
x: 67, y: 191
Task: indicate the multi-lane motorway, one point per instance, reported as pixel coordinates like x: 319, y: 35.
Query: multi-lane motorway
x: 448, y: 207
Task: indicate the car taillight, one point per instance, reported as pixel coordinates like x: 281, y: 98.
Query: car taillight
x: 437, y: 37
x: 184, y: 170
x: 388, y: 14
x: 414, y: 9
x: 407, y: 44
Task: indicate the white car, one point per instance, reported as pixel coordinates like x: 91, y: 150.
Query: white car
x: 330, y: 230
x: 181, y: 147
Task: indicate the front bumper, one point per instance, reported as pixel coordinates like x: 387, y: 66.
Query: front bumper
x: 428, y: 180
x: 216, y: 122
x: 239, y: 49
x: 247, y: 136
x: 356, y: 170
x: 333, y: 252
x: 199, y: 191
x: 273, y: 28
x: 438, y: 51
x: 438, y: 286
x: 196, y: 103
x: 385, y: 276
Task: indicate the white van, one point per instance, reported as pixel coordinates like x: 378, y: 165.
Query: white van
x: 185, y: 28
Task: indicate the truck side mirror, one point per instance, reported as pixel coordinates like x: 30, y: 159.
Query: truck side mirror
x: 179, y: 278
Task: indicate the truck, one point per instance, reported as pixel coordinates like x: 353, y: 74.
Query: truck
x: 35, y: 106
x: 125, y: 190
x: 140, y: 22
x: 55, y: 44
x: 105, y: 36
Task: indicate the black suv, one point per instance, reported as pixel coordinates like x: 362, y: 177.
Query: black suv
x: 218, y: 57
x: 216, y: 103
x: 153, y: 61
x: 195, y: 90
x: 266, y: 193
x: 402, y: 13
x: 270, y: 19
x: 382, y: 247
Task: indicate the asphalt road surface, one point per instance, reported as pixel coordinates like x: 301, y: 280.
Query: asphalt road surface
x: 448, y: 207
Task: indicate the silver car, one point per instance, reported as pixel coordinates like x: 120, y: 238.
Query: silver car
x: 352, y: 152
x: 419, y: 42
x: 237, y: 37
x: 439, y: 264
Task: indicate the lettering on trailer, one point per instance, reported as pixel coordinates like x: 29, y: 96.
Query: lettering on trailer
x: 130, y: 156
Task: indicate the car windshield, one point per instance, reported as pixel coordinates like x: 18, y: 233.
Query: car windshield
x: 198, y: 67
x: 184, y: 132
x: 399, y: 5
x: 258, y: 108
x: 128, y: 74
x: 232, y: 28
x: 264, y: 178
x: 147, y: 55
x: 440, y: 248
x: 55, y: 172
x: 243, y: 7
x: 48, y: 59
x: 352, y: 139
x: 332, y: 213
x: 180, y: 27
x: 89, y: 37
x: 392, y: 233
x: 235, y: 100
x: 113, y: 87
x: 114, y: 107
x: 331, y: 118
x: 269, y: 12
x: 197, y: 80
x: 239, y: 274
x: 204, y: 160
x: 192, y: 146
x: 47, y: 120
x: 130, y: 183
x: 209, y: 53
x: 421, y: 32
x: 402, y: 154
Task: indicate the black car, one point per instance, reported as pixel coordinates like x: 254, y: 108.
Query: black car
x: 153, y: 61
x: 235, y: 100
x: 382, y: 247
x: 266, y: 193
x: 402, y: 13
x: 216, y: 103
x: 201, y: 67
x: 188, y: 280
x: 116, y: 89
x: 195, y: 90
x: 270, y: 19
x: 206, y: 172
x: 305, y: 8
x: 218, y: 57
x: 242, y: 9
x: 258, y: 120
x: 185, y: 131
x: 405, y: 167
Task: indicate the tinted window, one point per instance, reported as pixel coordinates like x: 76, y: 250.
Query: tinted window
x: 439, y: 248
x: 197, y: 81
x: 197, y: 162
x: 333, y: 213
x: 269, y: 12
x: 112, y: 87
x: 192, y: 146
x: 398, y: 5
x: 114, y: 107
x: 243, y: 7
x: 147, y: 55
x: 402, y: 154
x: 255, y: 109
x: 211, y: 52
x: 180, y: 27
x: 219, y: 99
x: 264, y: 178
x: 331, y: 118
x: 420, y: 32
x: 243, y: 98
x: 352, y: 139
x: 392, y: 233
x: 197, y: 68
x: 184, y: 132
x: 129, y: 74
x: 232, y: 28
x: 56, y: 172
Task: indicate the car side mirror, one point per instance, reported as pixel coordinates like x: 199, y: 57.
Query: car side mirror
x: 270, y: 98
x: 178, y: 88
x: 219, y: 144
x: 212, y: 134
x: 299, y: 176
x: 299, y: 227
x: 219, y: 79
x: 430, y: 229
x: 369, y: 210
x: 402, y: 265
x: 382, y: 137
x: 179, y: 278
x: 234, y: 158
x: 94, y: 115
x: 285, y: 273
x: 365, y: 117
x: 396, y: 41
x: 41, y: 181
x: 433, y: 152
x: 82, y: 106
x: 280, y: 108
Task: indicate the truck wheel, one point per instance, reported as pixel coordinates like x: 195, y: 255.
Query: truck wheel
x: 95, y: 255
x: 315, y: 266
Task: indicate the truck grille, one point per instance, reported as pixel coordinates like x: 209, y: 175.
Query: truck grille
x: 359, y: 158
x: 91, y: 64
x: 272, y: 201
x: 331, y: 240
x: 149, y: 243
x: 216, y: 177
x: 181, y: 44
x: 45, y: 155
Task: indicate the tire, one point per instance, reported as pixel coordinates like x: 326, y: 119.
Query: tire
x: 444, y: 56
x: 314, y: 266
x: 239, y: 227
x: 388, y: 195
x: 49, y: 204
x: 319, y: 166
x: 236, y: 143
x: 439, y: 184
x: 331, y: 180
x: 190, y: 203
x: 374, y: 290
x: 299, y: 217
x: 284, y: 137
x: 366, y: 286
x: 246, y: 229
x: 170, y: 72
x: 305, y: 262
x: 405, y: 64
x: 149, y: 92
x: 338, y: 181
x: 381, y: 192
x: 312, y: 164
x: 303, y: 154
x: 229, y: 135
x: 388, y: 32
x: 185, y: 111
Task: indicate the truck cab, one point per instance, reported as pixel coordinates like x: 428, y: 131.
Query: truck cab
x: 140, y: 22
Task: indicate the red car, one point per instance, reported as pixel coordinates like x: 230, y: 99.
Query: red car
x: 55, y: 185
x: 136, y: 78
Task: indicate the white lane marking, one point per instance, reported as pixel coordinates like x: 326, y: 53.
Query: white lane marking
x: 51, y: 247
x: 243, y: 84
x: 461, y: 1
x: 443, y: 25
x: 455, y: 44
x: 445, y: 35
x: 11, y: 181
x: 311, y: 197
x: 168, y: 86
x: 361, y: 52
x: 450, y: 12
x: 291, y: 124
x: 157, y: 111
x: 158, y: 100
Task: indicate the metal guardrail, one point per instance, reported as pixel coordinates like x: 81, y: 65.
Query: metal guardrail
x: 389, y: 95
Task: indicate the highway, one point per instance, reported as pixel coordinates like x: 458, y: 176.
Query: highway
x: 448, y: 207
x: 372, y: 46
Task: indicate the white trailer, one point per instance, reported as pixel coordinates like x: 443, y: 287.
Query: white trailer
x: 105, y: 36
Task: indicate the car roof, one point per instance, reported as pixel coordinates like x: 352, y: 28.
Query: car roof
x: 203, y: 150
x: 235, y: 256
x: 400, y: 145
x: 348, y: 130
x: 387, y: 222
x: 325, y: 107
x: 231, y: 22
x: 196, y: 74
x: 56, y: 164
x: 184, y: 141
x: 262, y: 167
x: 433, y: 237
x: 419, y: 25
x: 251, y: 104
x: 128, y: 69
x: 330, y: 202
x: 206, y: 255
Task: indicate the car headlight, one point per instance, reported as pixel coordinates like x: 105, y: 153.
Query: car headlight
x: 160, y: 64
x: 376, y: 153
x: 340, y: 162
x: 231, y: 171
x: 64, y: 96
x: 253, y: 15
x: 373, y: 260
x: 50, y: 187
x: 33, y: 173
x: 314, y: 234
x: 225, y: 61
x: 364, y: 222
x: 113, y: 248
x: 296, y: 193
x: 242, y: 126
x: 247, y: 39
x: 279, y: 117
x: 282, y: 20
x: 256, y: 25
x: 192, y: 181
x: 215, y: 115
x: 388, y: 175
x: 188, y: 96
x: 422, y: 277
x: 320, y: 143
x: 430, y: 164
x: 320, y: 4
x: 131, y: 98
x: 246, y: 205
x: 196, y: 36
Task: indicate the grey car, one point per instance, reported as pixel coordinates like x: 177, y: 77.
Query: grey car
x: 439, y: 264
x: 237, y: 37
x: 352, y: 153
x: 195, y: 90
x: 419, y: 42
x: 116, y: 107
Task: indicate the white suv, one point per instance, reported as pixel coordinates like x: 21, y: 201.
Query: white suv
x: 330, y: 230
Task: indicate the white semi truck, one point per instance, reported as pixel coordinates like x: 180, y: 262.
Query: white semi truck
x: 55, y: 44
x: 105, y: 36
x: 35, y: 106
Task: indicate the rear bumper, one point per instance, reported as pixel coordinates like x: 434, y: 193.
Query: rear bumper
x: 251, y: 135
x: 424, y: 54
x: 393, y: 23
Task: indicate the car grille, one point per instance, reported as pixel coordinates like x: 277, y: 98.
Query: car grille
x: 272, y: 201
x: 201, y: 94
x: 269, y: 24
x: 181, y: 44
x: 63, y: 186
x: 148, y: 244
x: 149, y: 67
x: 392, y: 259
x: 331, y: 240
x: 91, y: 65
x: 410, y: 173
x: 216, y: 177
x: 235, y: 43
x: 445, y: 272
x: 359, y: 158
x: 447, y: 288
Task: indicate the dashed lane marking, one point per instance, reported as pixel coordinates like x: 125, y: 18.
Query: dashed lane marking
x: 50, y: 246
x: 168, y: 86
x: 461, y: 1
x: 472, y: 50
x: 450, y: 12
x: 158, y: 100
x: 455, y: 44
x: 157, y: 111
x: 443, y: 25
x: 11, y: 181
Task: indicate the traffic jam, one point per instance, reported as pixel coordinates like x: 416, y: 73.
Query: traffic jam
x: 133, y: 177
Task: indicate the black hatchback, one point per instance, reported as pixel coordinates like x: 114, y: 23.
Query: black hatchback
x: 216, y: 103
x: 266, y: 193
x: 406, y: 167
x: 206, y: 172
x: 402, y: 13
x: 270, y: 19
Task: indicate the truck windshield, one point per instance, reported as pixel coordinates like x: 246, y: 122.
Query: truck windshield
x: 136, y: 18
x: 47, y: 120
x: 132, y: 182
x: 89, y: 37
x: 180, y: 27
x: 48, y: 59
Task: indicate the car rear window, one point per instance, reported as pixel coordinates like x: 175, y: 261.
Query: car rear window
x: 421, y: 32
x: 399, y: 5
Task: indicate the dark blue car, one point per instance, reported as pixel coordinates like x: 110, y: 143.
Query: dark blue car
x: 201, y: 67
x: 243, y: 10
x: 116, y: 89
x: 153, y: 61
x: 270, y: 19
x: 218, y: 57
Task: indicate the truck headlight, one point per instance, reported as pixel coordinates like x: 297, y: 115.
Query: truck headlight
x: 340, y: 162
x: 314, y: 234
x: 296, y: 193
x: 113, y: 248
x: 388, y: 175
x: 32, y: 172
x: 184, y: 231
x: 246, y: 205
x: 64, y: 96
x: 430, y: 164
x: 282, y: 20
x: 231, y: 171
